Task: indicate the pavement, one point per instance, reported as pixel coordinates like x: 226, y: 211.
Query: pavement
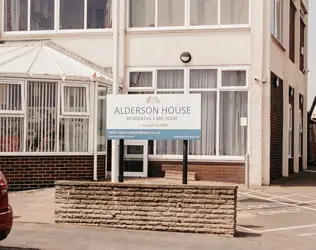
x: 282, y: 216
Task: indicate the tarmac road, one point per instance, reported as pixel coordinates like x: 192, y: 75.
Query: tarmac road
x: 32, y: 236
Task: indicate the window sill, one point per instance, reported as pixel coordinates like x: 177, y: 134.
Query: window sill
x: 278, y: 43
x: 54, y: 33
x: 190, y: 29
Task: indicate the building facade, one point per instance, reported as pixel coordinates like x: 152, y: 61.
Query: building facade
x: 248, y: 63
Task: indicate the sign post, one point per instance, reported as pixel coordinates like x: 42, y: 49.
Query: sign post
x: 121, y: 162
x: 154, y: 117
x: 185, y: 163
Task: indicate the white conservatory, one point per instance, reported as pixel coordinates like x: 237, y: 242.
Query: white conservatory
x: 52, y: 103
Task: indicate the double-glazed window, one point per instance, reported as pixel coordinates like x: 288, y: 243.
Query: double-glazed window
x: 290, y: 130
x: 277, y: 19
x: 41, y: 120
x: 292, y: 31
x: 300, y: 130
x: 224, y: 102
x: 41, y: 15
x: 183, y: 13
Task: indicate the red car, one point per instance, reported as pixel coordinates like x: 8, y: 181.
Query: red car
x: 6, y: 214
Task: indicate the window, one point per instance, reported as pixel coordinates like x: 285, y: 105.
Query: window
x: 71, y: 14
x: 277, y: 19
x: 301, y: 134
x: 234, y: 11
x: 40, y: 15
x: 15, y: 15
x: 204, y: 12
x: 11, y: 117
x: 292, y: 31
x: 170, y: 13
x: 101, y: 143
x: 302, y: 46
x: 290, y: 130
x: 224, y: 103
x: 41, y: 116
x: 45, y: 121
x: 74, y: 100
x: 180, y: 13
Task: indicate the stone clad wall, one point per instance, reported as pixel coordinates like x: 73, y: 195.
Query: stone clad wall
x: 195, y: 209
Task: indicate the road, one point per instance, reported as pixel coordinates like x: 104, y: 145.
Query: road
x: 31, y: 236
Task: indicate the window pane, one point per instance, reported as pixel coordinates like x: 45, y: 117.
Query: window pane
x: 170, y: 79
x: 99, y: 14
x: 73, y: 135
x: 101, y: 124
x: 15, y: 15
x: 142, y: 13
x: 71, y: 14
x: 204, y: 12
x: 207, y: 144
x: 41, y: 113
x: 141, y: 79
x: 171, y: 12
x: 203, y: 78
x: 233, y: 78
x: 42, y: 14
x: 75, y: 99
x: 234, y: 11
x: 233, y: 137
x: 169, y: 147
x: 11, y: 134
x: 10, y: 97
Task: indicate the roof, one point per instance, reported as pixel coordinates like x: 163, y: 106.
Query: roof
x: 41, y: 59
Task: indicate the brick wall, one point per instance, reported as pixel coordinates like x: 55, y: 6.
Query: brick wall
x: 196, y: 209
x: 223, y: 172
x: 31, y: 172
x: 276, y: 129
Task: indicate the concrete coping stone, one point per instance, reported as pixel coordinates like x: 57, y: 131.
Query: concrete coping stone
x: 136, y: 185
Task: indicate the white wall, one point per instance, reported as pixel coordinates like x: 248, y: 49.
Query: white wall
x: 224, y: 47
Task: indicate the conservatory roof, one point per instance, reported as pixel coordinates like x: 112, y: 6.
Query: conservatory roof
x: 43, y: 60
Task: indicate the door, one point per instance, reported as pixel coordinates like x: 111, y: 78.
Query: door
x: 136, y: 158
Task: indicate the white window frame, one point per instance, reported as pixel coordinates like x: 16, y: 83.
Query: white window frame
x: 278, y: 34
x: 76, y: 114
x: 300, y: 130
x: 16, y: 112
x: 56, y: 22
x: 220, y: 88
x: 187, y: 24
x: 22, y: 114
x: 290, y: 130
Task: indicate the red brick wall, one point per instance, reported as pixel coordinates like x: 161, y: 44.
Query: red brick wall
x: 31, y: 172
x: 223, y: 172
x: 276, y: 129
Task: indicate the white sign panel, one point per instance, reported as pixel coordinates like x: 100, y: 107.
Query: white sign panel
x: 154, y: 117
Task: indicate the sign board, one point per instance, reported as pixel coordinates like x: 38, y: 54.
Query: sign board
x: 154, y: 117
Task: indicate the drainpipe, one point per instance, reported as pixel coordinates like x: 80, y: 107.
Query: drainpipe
x: 116, y: 82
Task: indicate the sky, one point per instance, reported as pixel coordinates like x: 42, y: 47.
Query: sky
x: 311, y: 92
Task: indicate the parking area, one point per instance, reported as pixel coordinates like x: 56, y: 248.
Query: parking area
x: 262, y: 213
x: 285, y: 210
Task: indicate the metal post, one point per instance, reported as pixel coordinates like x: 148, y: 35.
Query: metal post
x: 121, y: 167
x: 185, y: 163
x: 246, y: 171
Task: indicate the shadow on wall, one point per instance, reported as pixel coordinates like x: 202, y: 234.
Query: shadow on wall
x: 304, y: 179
